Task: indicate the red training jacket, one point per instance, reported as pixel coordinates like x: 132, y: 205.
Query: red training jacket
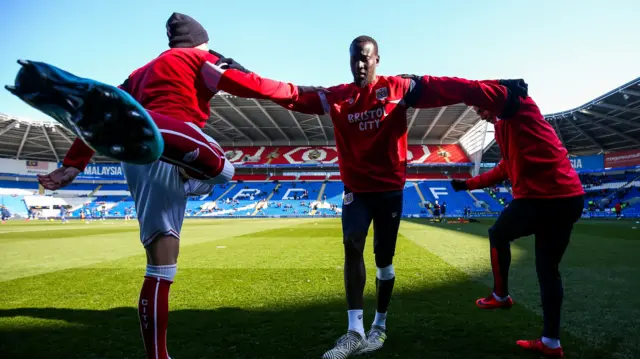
x: 370, y: 123
x: 180, y: 83
x: 533, y: 158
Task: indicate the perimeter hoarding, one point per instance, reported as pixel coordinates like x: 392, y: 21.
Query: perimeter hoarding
x: 102, y: 171
x: 620, y: 159
x: 587, y: 163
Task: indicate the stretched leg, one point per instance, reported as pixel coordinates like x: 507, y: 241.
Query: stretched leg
x: 514, y: 222
x: 551, y: 244
x: 386, y: 222
x: 355, y: 224
x: 153, y: 304
x: 108, y: 120
x: 387, y: 208
x: 159, y: 193
x: 199, y: 155
x: 552, y: 239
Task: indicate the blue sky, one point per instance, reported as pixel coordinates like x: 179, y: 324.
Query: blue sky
x: 568, y: 51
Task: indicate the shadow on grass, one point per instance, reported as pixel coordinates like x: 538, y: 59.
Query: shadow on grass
x: 439, y: 322
x: 599, y: 273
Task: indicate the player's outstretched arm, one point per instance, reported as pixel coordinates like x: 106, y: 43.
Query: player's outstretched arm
x: 502, y: 97
x: 75, y: 161
x: 496, y: 175
x: 227, y: 75
x: 59, y: 178
x: 78, y: 156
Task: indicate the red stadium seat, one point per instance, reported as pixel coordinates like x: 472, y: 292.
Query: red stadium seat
x: 250, y: 177
x: 282, y: 178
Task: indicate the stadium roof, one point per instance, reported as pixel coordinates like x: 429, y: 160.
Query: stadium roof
x: 238, y: 121
x: 608, y: 123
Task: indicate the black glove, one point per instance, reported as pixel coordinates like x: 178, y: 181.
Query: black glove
x: 459, y: 185
x: 518, y: 87
x: 516, y: 90
x: 306, y: 89
x: 228, y: 63
x: 410, y: 76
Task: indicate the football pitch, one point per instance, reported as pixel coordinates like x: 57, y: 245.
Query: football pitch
x: 273, y: 288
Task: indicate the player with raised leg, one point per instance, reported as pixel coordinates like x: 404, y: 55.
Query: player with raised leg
x: 370, y: 125
x: 157, y: 113
x: 548, y: 200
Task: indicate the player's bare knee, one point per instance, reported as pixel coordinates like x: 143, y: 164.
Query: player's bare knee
x: 163, y: 250
x: 354, y: 244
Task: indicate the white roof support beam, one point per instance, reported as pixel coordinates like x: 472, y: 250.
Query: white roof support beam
x: 295, y: 120
x: 324, y: 132
x: 210, y: 126
x: 24, y: 139
x: 610, y: 118
x: 63, y: 135
x: 46, y: 135
x: 455, y: 123
x: 618, y: 108
x: 8, y: 127
x: 279, y: 128
x: 554, y: 124
x: 433, y: 123
x: 591, y: 139
x: 631, y: 92
x: 613, y: 130
x: 218, y: 115
x: 413, y: 119
x: 489, y: 146
x: 246, y: 119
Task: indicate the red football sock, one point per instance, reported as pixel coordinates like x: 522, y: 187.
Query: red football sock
x: 153, y: 310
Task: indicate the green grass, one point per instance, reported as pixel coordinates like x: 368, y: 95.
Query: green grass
x: 273, y: 289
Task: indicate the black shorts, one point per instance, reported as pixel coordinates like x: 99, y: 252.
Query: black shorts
x: 542, y: 217
x: 383, y: 208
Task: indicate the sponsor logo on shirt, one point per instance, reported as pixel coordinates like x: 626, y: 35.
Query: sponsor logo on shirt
x: 367, y: 120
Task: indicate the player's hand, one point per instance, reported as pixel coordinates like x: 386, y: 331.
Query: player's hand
x: 228, y: 63
x: 411, y: 76
x: 517, y: 87
x: 459, y: 185
x: 59, y: 178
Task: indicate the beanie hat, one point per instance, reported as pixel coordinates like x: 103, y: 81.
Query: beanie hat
x: 184, y: 31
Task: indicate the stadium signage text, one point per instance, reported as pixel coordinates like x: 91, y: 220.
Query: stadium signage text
x: 106, y: 171
x: 103, y: 171
x: 587, y: 163
x: 620, y: 159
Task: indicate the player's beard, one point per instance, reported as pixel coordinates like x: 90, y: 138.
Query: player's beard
x: 363, y: 81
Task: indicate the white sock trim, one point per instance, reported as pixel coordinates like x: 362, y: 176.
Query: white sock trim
x: 551, y: 343
x: 380, y: 319
x: 356, y: 323
x: 386, y: 273
x: 499, y: 298
x: 167, y: 272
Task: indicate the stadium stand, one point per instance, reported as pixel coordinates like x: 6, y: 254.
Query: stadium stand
x: 292, y: 170
x: 284, y: 198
